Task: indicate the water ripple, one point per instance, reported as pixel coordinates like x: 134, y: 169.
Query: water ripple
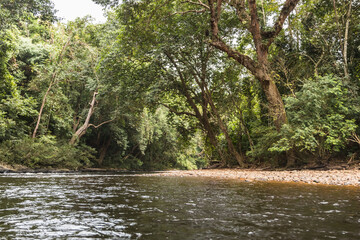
x: 53, y: 206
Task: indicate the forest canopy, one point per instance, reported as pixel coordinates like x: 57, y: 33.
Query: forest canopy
x: 180, y: 84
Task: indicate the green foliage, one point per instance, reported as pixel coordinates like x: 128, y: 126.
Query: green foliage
x: 153, y: 141
x: 107, y: 3
x: 192, y: 154
x: 31, y: 53
x: 17, y: 112
x: 319, y: 118
x: 7, y: 83
x: 45, y: 152
x: 16, y: 11
x: 264, y: 138
x: 164, y: 90
x: 128, y: 163
x: 160, y: 144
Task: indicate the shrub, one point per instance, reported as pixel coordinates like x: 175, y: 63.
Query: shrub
x: 45, y: 152
x: 319, y: 118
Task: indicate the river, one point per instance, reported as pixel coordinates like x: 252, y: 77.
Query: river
x: 90, y: 206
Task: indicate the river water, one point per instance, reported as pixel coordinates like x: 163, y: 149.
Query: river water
x: 66, y: 206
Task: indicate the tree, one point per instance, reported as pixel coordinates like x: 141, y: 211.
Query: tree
x: 262, y: 40
x: 222, y: 29
x: 13, y: 12
x: 107, y: 3
x: 53, y: 81
x: 185, y: 65
x: 320, y: 118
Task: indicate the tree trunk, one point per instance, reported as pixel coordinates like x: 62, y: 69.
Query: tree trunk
x: 43, y: 105
x: 276, y: 104
x: 346, y: 37
x: 202, y: 117
x: 239, y: 158
x: 76, y: 122
x: 82, y: 130
x: 52, y: 82
x: 103, y: 151
x: 262, y: 41
x: 343, y: 45
x: 212, y: 138
x: 251, y: 143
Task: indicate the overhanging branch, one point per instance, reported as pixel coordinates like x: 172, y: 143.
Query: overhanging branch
x: 97, y: 126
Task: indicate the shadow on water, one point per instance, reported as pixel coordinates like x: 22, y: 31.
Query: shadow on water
x: 139, y: 207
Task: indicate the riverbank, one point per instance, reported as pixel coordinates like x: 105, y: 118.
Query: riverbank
x: 328, y: 177
x: 5, y: 168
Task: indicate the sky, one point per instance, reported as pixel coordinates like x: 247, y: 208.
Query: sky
x: 71, y: 9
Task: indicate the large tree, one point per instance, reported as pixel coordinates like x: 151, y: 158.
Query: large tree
x: 15, y: 11
x: 231, y: 22
x: 248, y: 15
x: 186, y: 67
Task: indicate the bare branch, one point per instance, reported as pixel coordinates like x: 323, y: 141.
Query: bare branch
x: 189, y: 11
x: 53, y: 81
x: 355, y: 138
x: 199, y: 3
x: 97, y: 126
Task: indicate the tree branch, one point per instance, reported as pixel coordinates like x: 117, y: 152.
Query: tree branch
x: 176, y: 112
x: 183, y: 82
x: 241, y: 12
x: 218, y: 9
x: 218, y: 43
x: 244, y: 60
x: 97, y: 126
x: 287, y: 8
x: 255, y: 26
x: 199, y: 3
x: 189, y: 11
x: 214, y: 20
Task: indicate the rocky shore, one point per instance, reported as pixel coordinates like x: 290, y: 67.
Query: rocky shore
x: 329, y: 177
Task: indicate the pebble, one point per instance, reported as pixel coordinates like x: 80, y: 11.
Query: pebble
x: 330, y: 177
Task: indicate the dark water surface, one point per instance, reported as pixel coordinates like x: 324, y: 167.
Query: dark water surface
x: 49, y: 206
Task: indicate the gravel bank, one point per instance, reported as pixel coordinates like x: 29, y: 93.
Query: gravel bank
x: 329, y: 177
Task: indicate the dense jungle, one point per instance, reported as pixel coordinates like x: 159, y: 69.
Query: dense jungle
x: 182, y: 84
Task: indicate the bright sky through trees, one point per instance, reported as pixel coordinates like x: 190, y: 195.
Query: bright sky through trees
x: 71, y: 9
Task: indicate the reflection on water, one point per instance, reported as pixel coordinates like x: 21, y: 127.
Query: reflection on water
x: 140, y: 207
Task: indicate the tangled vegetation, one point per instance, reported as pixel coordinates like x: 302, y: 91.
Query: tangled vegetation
x: 180, y: 84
